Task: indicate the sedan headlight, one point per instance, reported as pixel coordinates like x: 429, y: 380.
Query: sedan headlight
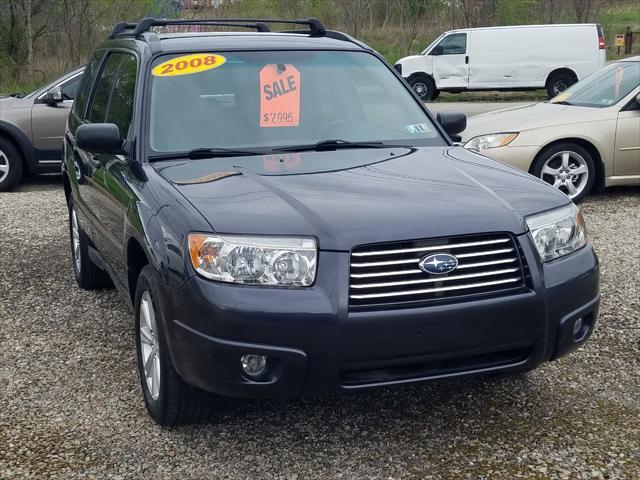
x: 558, y: 232
x: 256, y: 260
x: 493, y: 140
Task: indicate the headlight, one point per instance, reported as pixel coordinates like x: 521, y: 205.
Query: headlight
x: 490, y: 141
x: 558, y: 232
x: 277, y: 261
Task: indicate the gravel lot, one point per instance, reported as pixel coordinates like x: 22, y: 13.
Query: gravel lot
x: 70, y: 405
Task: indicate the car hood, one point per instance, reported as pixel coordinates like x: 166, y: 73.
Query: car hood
x: 6, y: 101
x: 526, y: 117
x: 352, y: 197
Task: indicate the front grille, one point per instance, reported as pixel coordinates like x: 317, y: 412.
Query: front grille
x: 388, y: 273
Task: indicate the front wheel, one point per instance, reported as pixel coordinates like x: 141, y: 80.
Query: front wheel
x: 567, y: 167
x: 10, y: 165
x: 169, y: 400
x: 424, y: 86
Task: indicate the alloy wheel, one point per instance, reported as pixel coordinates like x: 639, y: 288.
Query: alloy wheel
x: 420, y: 88
x: 4, y: 166
x: 149, y: 345
x: 567, y: 171
x: 75, y: 239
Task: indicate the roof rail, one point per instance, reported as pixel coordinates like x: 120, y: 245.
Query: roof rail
x: 121, y: 27
x: 316, y: 29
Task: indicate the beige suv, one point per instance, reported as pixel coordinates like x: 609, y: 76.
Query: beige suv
x: 588, y: 136
x: 32, y: 128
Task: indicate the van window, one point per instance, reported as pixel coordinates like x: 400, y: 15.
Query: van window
x: 454, y: 44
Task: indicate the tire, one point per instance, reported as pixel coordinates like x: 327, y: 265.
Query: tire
x: 424, y: 87
x: 556, y: 164
x: 168, y: 399
x: 559, y: 82
x: 87, y: 274
x: 11, y: 165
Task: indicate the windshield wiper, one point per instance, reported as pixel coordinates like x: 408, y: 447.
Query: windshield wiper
x: 327, y: 145
x: 197, y: 153
x: 561, y: 102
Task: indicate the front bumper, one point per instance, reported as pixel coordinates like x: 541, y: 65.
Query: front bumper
x: 317, y: 345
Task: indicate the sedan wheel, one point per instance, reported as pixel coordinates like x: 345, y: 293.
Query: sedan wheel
x: 567, y: 171
x: 4, y: 166
x: 75, y: 242
x: 149, y: 346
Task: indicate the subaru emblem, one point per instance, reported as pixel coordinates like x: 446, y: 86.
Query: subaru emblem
x: 438, y: 263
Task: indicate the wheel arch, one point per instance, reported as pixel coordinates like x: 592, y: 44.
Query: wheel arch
x: 66, y: 184
x: 557, y: 70
x: 20, y: 141
x: 137, y: 259
x: 421, y: 74
x: 589, y: 147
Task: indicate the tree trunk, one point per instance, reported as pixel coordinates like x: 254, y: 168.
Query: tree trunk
x: 29, y: 37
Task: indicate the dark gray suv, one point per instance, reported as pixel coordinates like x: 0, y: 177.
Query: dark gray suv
x: 286, y: 218
x: 32, y: 128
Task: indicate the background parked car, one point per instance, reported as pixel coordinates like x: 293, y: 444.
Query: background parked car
x: 586, y: 136
x: 32, y: 128
x: 506, y: 58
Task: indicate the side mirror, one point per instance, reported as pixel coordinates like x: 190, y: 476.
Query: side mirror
x: 53, y: 96
x: 453, y: 123
x: 99, y: 138
x: 437, y: 50
x: 638, y: 98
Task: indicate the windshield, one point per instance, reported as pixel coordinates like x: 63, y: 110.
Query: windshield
x: 603, y: 88
x: 265, y: 100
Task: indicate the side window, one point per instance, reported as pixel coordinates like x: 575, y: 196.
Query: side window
x: 100, y: 102
x: 121, y: 105
x: 454, y: 44
x: 84, y: 89
x: 70, y: 88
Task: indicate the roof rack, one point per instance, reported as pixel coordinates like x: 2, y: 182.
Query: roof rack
x: 316, y: 29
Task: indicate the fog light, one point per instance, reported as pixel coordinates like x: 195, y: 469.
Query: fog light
x: 577, y: 327
x: 580, y: 329
x: 254, y: 365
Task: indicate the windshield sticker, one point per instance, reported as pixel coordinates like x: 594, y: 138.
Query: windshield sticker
x: 187, y: 64
x: 419, y: 128
x: 279, y: 96
x: 619, y: 75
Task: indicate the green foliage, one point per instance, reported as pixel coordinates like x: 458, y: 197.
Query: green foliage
x: 515, y: 12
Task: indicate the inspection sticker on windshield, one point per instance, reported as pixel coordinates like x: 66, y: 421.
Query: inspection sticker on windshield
x: 418, y: 128
x: 279, y: 96
x: 187, y: 64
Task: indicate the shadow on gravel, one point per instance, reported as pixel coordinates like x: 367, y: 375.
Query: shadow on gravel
x: 38, y: 182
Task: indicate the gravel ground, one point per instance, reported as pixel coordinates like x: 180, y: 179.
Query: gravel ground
x: 70, y: 405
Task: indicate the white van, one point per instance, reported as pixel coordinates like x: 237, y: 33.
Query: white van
x: 521, y: 57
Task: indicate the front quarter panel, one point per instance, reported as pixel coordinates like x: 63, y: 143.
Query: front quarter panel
x: 416, y: 64
x: 162, y: 224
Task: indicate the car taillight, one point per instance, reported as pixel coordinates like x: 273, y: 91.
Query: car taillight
x: 601, y: 44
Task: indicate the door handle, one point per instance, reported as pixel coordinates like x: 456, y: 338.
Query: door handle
x: 466, y: 59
